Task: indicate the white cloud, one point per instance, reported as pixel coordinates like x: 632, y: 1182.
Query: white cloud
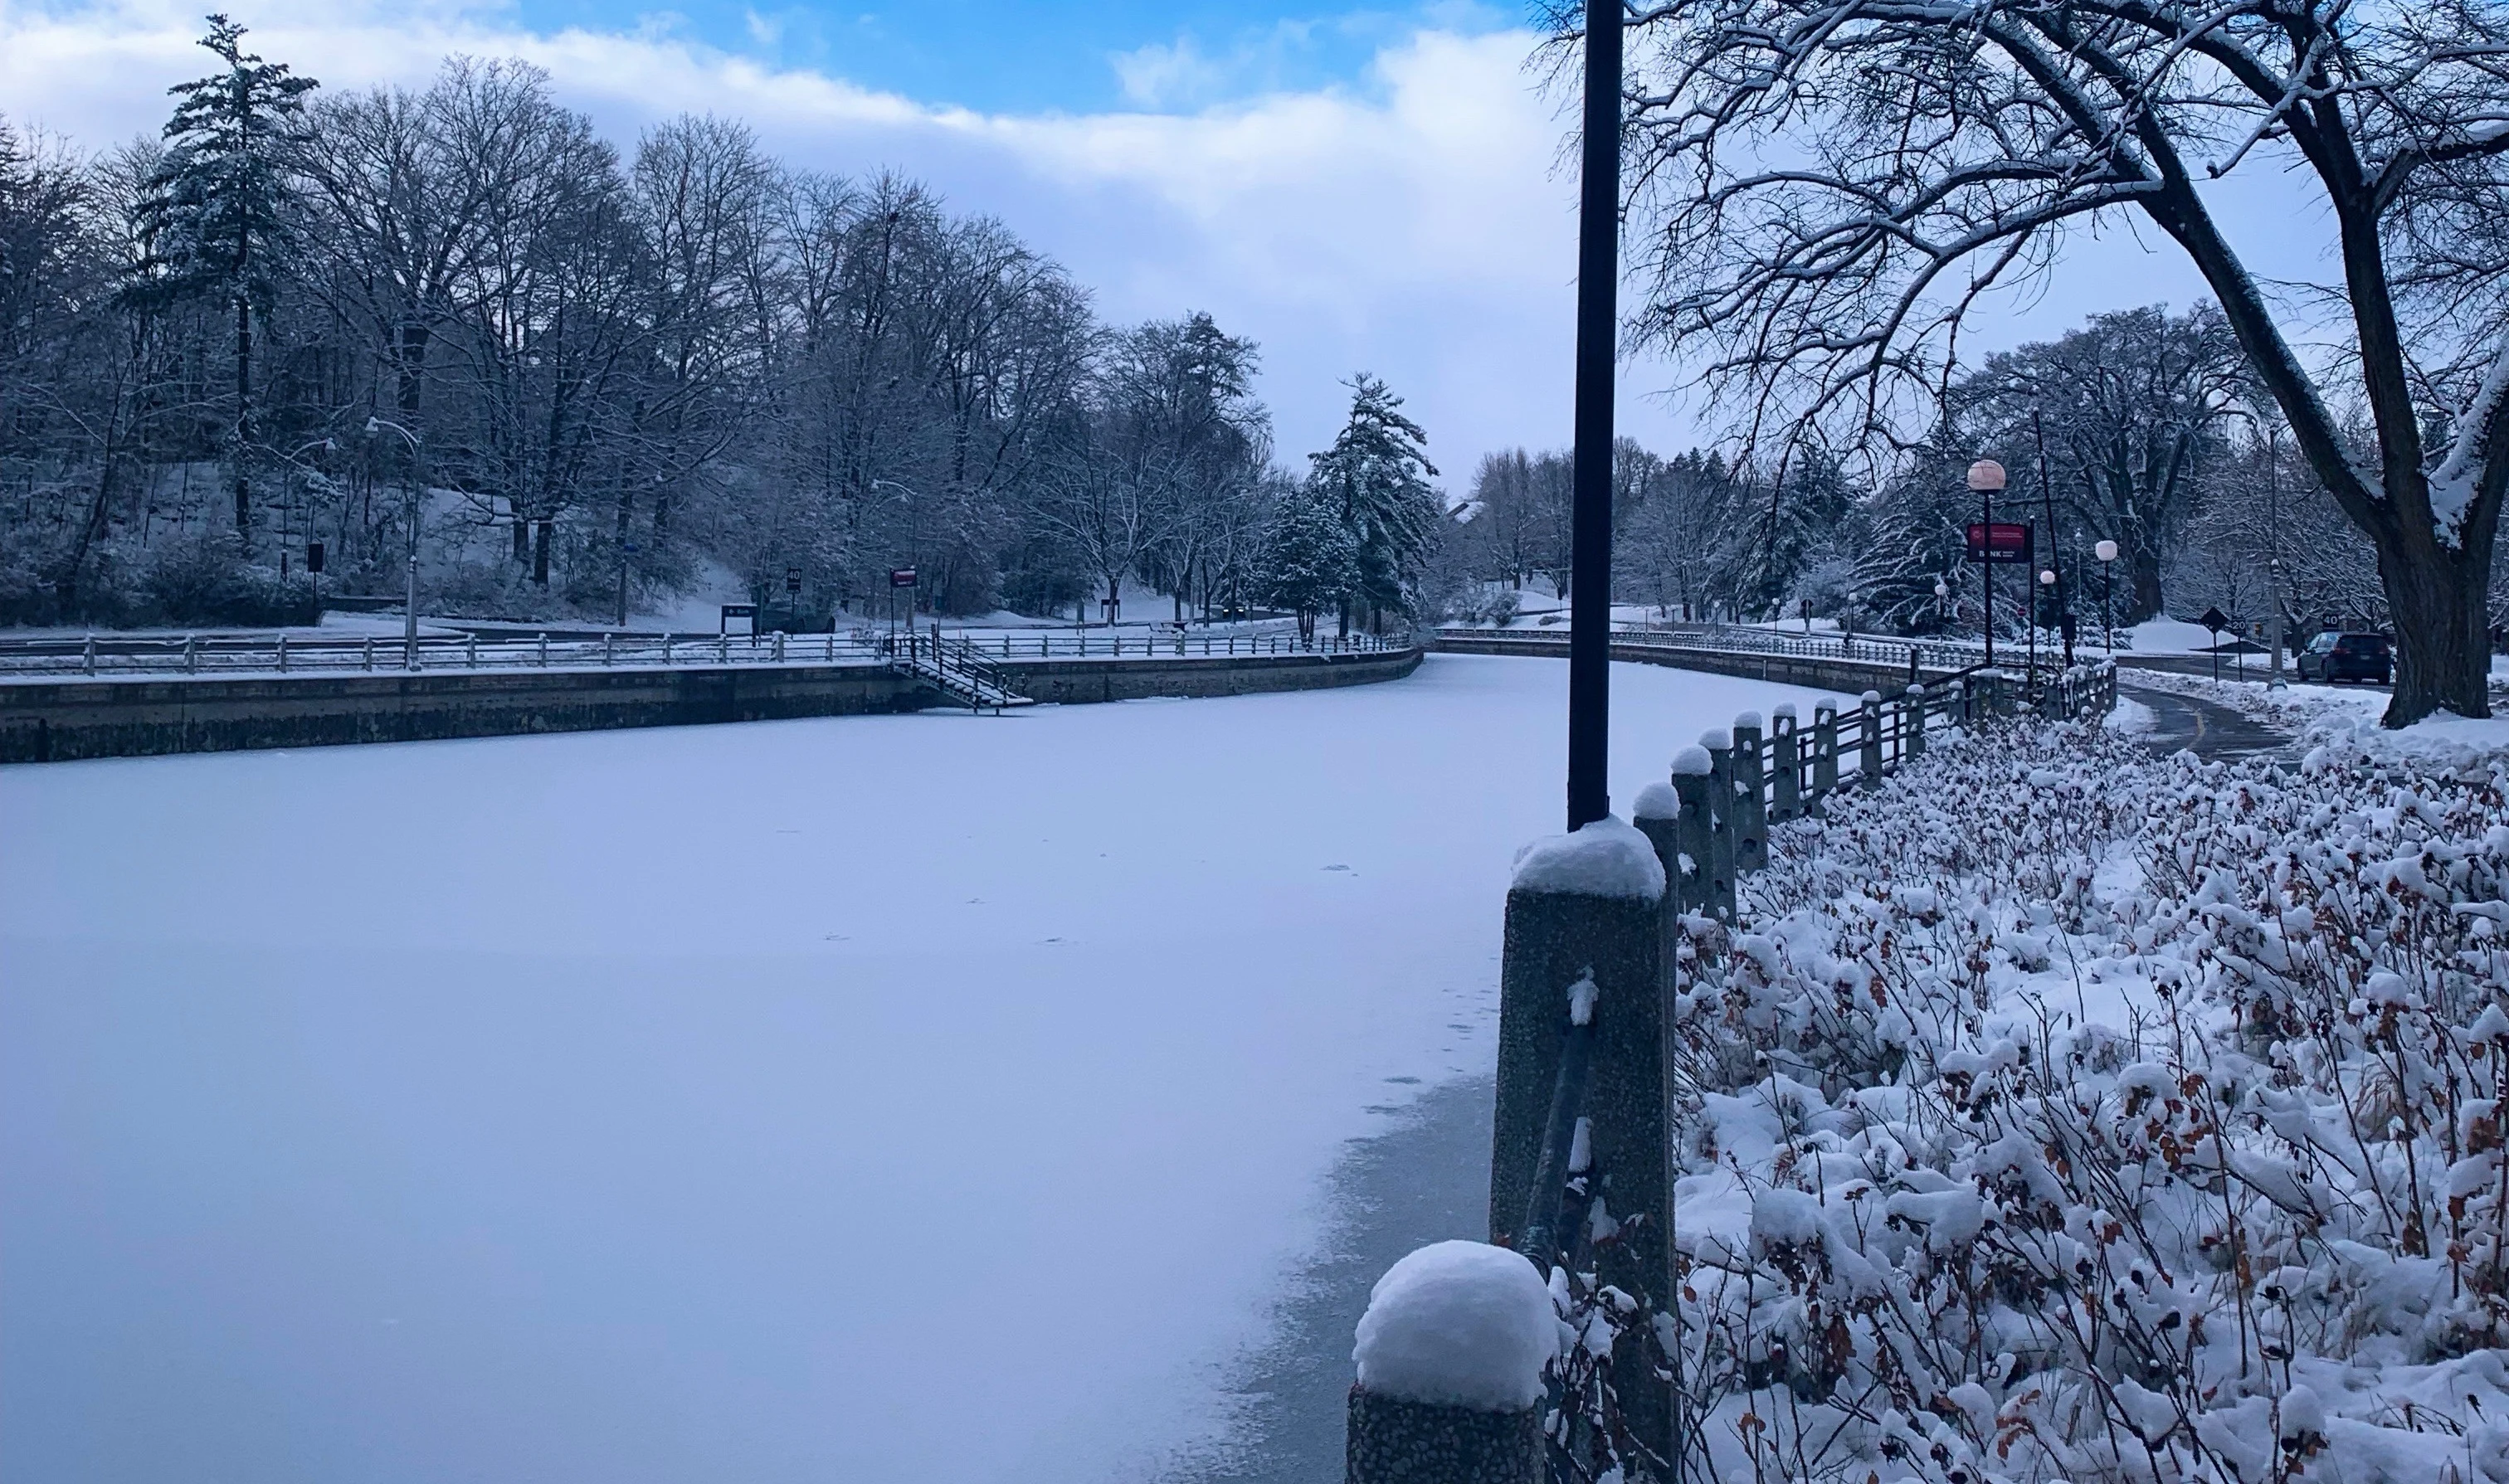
x: 1415, y: 227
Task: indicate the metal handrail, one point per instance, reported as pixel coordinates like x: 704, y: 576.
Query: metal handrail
x: 196, y: 654
x: 1543, y: 1216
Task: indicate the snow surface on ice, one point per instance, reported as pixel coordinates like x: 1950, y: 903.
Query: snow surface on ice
x: 898, y: 1099
x: 1459, y: 1325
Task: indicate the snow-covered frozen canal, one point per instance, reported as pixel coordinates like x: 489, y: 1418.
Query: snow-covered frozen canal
x: 909, y: 1098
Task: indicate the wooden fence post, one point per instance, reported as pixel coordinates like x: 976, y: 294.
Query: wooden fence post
x: 1750, y: 800
x: 1587, y: 905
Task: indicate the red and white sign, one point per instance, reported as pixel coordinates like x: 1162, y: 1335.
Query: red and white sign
x: 1999, y: 541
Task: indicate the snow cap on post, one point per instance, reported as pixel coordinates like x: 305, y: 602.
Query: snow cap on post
x: 1748, y: 721
x: 1785, y: 710
x: 1606, y: 858
x: 1716, y: 739
x: 1692, y: 762
x: 1657, y: 800
x: 1458, y: 1325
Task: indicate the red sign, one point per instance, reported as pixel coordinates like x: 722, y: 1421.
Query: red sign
x: 1999, y: 542
x: 901, y: 577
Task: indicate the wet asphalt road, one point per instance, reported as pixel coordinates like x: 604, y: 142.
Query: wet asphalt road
x: 2211, y: 731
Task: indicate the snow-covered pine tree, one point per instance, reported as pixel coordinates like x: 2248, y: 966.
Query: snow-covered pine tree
x: 1379, y: 472
x: 1310, y: 560
x: 213, y: 219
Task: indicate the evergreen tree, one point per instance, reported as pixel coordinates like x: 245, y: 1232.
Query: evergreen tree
x: 1310, y: 561
x: 1378, y: 471
x: 214, y: 218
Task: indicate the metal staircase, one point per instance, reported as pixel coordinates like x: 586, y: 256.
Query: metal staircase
x: 956, y: 669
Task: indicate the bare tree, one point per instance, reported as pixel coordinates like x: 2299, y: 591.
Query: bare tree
x: 2127, y: 407
x: 1825, y: 190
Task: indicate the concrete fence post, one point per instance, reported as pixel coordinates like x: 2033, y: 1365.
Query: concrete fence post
x: 1587, y: 906
x: 1750, y: 798
x: 1869, y: 755
x: 283, y: 654
x: 1657, y: 815
x: 1824, y: 748
x: 1451, y: 1357
x: 1786, y: 742
x: 370, y: 654
x: 1721, y: 844
x: 1916, y: 734
x: 1693, y: 835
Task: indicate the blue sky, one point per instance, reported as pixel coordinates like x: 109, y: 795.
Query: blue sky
x: 1045, y: 55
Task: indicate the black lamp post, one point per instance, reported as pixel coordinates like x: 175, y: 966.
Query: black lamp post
x: 1986, y: 477
x: 2107, y: 552
x: 1598, y: 253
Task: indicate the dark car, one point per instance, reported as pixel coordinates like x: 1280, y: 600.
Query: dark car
x: 2347, y: 657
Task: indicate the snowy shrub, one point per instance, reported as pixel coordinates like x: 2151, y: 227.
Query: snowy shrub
x: 2054, y: 1111
x: 201, y: 579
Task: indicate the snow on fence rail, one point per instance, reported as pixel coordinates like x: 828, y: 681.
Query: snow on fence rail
x: 205, y: 653
x: 1583, y: 1164
x: 1862, y: 649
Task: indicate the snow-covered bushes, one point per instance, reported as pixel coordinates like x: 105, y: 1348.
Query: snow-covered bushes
x: 2057, y: 1111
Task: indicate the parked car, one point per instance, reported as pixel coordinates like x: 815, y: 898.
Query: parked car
x: 2332, y: 657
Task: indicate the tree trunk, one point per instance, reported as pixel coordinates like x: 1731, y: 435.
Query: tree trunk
x: 540, y: 551
x: 522, y: 533
x: 2143, y: 589
x: 2435, y: 597
x: 243, y: 422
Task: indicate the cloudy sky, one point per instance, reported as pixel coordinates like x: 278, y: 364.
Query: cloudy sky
x: 1372, y: 189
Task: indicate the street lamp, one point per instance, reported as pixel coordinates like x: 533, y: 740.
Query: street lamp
x: 2107, y: 552
x: 2047, y: 581
x: 417, y: 482
x: 1986, y: 477
x: 293, y: 456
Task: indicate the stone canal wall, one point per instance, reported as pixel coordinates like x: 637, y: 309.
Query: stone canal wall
x: 60, y: 720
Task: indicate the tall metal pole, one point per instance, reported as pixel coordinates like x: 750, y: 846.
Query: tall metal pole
x: 2274, y: 633
x: 2056, y: 546
x: 1598, y: 268
x: 1986, y: 477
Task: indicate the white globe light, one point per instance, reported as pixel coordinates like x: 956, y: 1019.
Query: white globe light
x: 2106, y: 552
x: 2047, y: 579
x: 1985, y: 475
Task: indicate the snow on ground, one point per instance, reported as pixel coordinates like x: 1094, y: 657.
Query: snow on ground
x: 903, y: 1099
x: 2170, y: 636
x: 2132, y: 717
